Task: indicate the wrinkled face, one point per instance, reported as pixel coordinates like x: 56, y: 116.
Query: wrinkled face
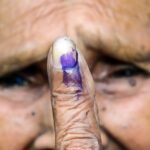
x: 25, y: 113
x: 114, y: 38
x: 123, y: 102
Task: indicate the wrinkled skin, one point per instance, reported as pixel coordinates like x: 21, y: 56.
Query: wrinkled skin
x: 118, y: 29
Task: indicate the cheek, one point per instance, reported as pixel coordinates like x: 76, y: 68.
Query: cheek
x: 24, y: 119
x: 127, y: 118
x: 19, y: 123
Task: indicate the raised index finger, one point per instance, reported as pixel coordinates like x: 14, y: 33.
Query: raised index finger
x: 73, y: 99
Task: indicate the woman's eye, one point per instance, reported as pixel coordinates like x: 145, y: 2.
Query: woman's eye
x: 127, y: 72
x: 13, y: 80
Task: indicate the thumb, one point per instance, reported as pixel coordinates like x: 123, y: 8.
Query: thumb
x: 72, y: 93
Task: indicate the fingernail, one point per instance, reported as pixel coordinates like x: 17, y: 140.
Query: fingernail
x: 65, y: 59
x: 64, y: 53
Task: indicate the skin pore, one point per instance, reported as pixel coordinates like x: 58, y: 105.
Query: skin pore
x: 106, y: 32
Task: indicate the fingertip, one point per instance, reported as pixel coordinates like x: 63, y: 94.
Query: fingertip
x: 66, y: 59
x: 62, y: 52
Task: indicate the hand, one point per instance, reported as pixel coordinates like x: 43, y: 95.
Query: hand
x: 73, y: 98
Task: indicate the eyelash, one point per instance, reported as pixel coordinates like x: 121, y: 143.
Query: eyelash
x: 14, y: 79
x: 126, y: 72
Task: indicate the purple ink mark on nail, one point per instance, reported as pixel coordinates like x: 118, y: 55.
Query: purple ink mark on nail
x: 71, y: 71
x: 68, y: 61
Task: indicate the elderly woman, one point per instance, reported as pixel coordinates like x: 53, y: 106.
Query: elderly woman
x: 113, y: 36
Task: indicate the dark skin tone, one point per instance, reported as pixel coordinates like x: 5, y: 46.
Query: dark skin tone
x: 117, y: 55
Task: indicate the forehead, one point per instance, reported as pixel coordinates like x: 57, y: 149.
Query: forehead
x: 29, y: 28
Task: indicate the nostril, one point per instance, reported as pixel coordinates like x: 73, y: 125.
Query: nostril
x: 45, y: 142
